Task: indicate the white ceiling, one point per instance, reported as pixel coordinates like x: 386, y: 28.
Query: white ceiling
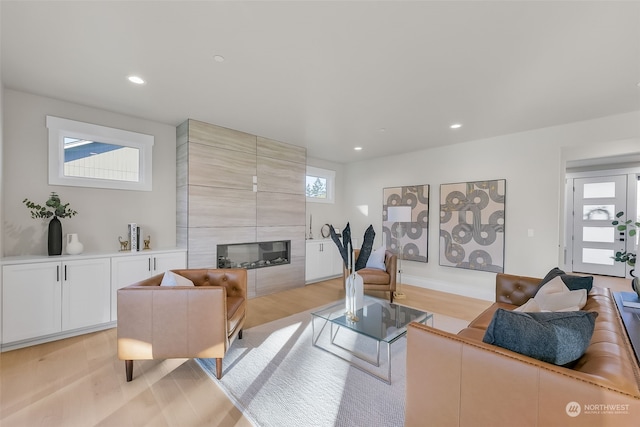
x: 330, y: 75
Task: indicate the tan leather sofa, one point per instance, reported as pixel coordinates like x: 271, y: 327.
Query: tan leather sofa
x: 457, y: 380
x: 164, y: 322
x: 375, y: 279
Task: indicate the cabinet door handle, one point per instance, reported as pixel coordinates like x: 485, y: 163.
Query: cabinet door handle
x: 57, y: 273
x: 65, y: 273
x: 155, y: 267
x: 149, y: 264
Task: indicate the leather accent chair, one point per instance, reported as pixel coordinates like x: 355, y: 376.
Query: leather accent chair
x: 165, y: 322
x: 378, y: 280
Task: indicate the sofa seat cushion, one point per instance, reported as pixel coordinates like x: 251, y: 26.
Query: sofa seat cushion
x: 373, y: 276
x: 558, y: 338
x: 235, y: 312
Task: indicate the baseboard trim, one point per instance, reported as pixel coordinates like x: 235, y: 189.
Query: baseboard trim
x: 54, y: 337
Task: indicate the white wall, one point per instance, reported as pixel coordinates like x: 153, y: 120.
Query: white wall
x: 103, y: 214
x: 533, y: 165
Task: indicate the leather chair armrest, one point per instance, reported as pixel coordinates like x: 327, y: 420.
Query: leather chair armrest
x: 391, y: 262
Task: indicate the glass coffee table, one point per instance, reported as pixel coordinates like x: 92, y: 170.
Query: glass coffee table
x: 378, y: 320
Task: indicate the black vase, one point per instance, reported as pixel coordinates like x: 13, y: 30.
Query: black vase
x: 55, y: 236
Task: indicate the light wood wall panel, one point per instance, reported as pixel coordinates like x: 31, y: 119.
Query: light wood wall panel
x: 182, y: 166
x: 217, y: 204
x: 220, y: 167
x: 182, y: 206
x: 219, y: 137
x: 182, y: 133
x: 275, y: 209
x: 281, y: 176
x: 280, y: 150
x: 280, y: 278
x: 221, y: 207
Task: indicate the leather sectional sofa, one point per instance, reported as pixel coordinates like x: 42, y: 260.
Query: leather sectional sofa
x: 458, y: 380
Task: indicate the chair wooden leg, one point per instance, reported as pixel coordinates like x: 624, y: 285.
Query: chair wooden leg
x: 219, y: 367
x: 391, y: 297
x: 128, y: 367
x: 240, y: 334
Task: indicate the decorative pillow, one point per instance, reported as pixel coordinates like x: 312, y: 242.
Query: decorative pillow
x: 555, y: 296
x: 172, y: 279
x: 376, y: 260
x: 562, y: 301
x: 554, y: 272
x: 365, y: 250
x: 577, y: 282
x: 530, y: 306
x: 558, y: 338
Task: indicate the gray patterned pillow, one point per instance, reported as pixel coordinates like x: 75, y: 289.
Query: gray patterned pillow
x: 559, y: 337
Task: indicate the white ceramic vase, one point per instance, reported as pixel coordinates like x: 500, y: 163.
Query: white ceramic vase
x: 74, y: 247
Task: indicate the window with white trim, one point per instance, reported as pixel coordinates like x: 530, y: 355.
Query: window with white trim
x: 88, y: 155
x: 320, y: 185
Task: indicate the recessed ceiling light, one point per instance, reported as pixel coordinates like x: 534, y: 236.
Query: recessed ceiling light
x: 135, y: 79
x: 218, y: 58
x: 382, y: 130
x: 357, y: 148
x: 455, y: 126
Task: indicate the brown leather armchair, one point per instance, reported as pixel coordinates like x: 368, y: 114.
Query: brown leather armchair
x: 378, y: 280
x: 164, y: 322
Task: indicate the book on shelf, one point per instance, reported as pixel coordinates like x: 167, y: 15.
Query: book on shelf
x: 133, y: 236
x: 630, y: 299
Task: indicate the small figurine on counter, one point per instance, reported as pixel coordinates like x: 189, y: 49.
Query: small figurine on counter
x: 147, y: 242
x: 124, y: 244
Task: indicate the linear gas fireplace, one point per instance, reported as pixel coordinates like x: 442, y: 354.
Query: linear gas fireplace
x: 254, y: 255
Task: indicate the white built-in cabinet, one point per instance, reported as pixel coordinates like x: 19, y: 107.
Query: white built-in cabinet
x: 49, y: 298
x: 129, y: 269
x: 322, y: 261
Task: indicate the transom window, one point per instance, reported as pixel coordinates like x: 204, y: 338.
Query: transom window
x: 88, y: 155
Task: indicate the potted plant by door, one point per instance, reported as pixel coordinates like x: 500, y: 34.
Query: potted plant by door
x: 630, y: 228
x: 56, y: 209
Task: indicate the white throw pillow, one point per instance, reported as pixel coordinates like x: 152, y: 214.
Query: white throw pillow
x: 555, y: 296
x: 562, y: 301
x: 530, y: 306
x: 553, y: 286
x: 376, y: 259
x: 172, y: 279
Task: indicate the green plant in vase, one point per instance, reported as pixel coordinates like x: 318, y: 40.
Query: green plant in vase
x: 630, y: 228
x: 53, y: 207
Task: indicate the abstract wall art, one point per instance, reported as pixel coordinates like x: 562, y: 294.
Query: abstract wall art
x: 472, y: 225
x: 405, y: 221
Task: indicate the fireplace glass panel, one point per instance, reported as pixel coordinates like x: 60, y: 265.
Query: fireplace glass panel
x: 254, y: 255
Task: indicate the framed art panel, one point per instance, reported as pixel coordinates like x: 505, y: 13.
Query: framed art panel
x: 472, y: 225
x: 405, y: 221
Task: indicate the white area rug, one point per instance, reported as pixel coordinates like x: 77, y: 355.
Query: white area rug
x: 277, y: 378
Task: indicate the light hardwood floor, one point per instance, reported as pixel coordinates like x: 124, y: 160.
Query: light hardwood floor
x: 80, y: 382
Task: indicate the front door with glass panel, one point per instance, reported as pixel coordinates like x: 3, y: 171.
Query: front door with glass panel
x: 595, y: 241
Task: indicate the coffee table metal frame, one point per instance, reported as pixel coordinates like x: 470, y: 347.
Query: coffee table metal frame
x: 371, y: 324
